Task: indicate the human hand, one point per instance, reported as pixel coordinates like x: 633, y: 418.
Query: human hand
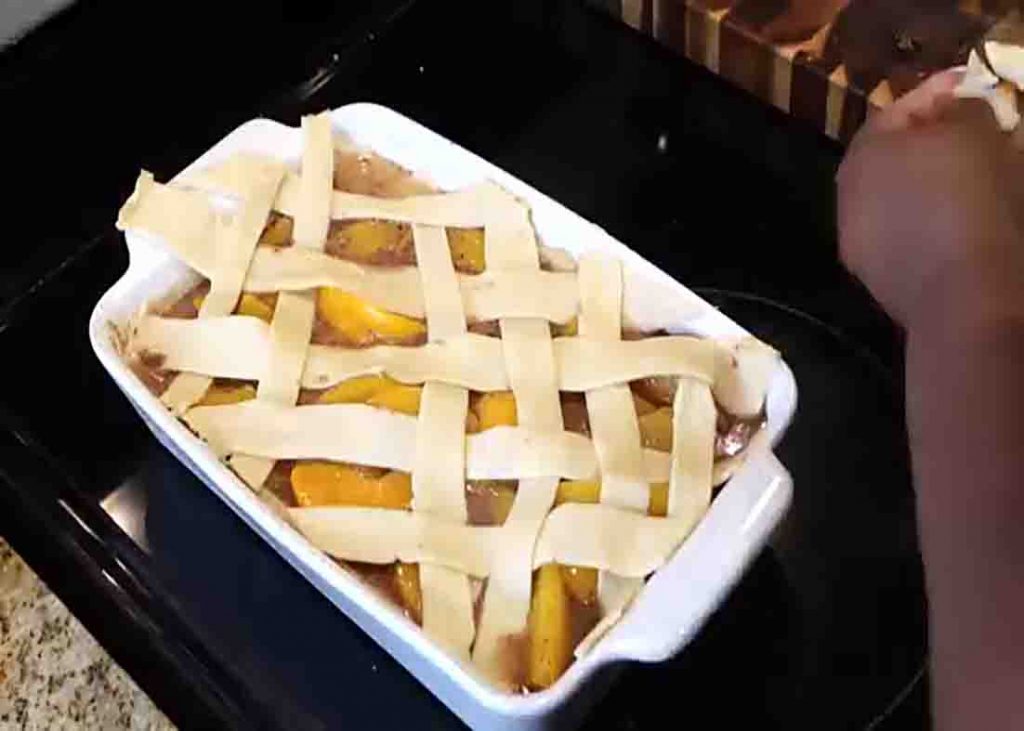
x: 931, y: 196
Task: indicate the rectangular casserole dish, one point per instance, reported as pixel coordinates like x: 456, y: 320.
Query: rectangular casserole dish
x: 675, y: 601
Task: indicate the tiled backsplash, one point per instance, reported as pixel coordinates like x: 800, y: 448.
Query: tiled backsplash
x: 825, y: 61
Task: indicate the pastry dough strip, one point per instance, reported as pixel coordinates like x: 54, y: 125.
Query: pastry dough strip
x: 486, y: 296
x: 468, y: 208
x: 236, y: 347
x: 382, y: 438
x: 612, y: 413
x: 234, y: 242
x: 613, y: 422
x: 510, y: 243
x: 438, y: 475
x: 600, y: 536
x: 693, y: 453
x: 292, y: 323
x: 181, y: 218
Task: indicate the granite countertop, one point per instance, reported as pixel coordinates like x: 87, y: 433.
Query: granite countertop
x: 53, y: 674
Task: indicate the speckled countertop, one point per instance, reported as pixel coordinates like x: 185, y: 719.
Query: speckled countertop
x: 53, y: 674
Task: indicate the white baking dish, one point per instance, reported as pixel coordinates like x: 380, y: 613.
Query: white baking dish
x: 674, y: 603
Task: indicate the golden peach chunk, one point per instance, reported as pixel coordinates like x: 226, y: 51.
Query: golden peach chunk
x: 657, y: 503
x: 375, y: 390
x: 467, y: 247
x: 362, y: 323
x: 277, y: 232
x: 656, y: 429
x: 398, y: 397
x: 502, y: 497
x: 407, y: 581
x: 566, y: 330
x: 578, y: 491
x: 248, y: 304
x: 217, y: 395
x: 370, y: 241
x: 550, y: 628
x: 253, y: 306
x: 496, y: 409
x: 335, y: 483
x: 581, y: 581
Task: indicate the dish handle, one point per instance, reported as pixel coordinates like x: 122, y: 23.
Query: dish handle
x: 678, y: 599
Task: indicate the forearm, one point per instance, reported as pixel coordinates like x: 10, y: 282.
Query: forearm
x: 965, y: 409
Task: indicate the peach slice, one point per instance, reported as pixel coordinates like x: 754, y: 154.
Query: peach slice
x: 497, y: 408
x: 362, y: 323
x: 277, y: 232
x: 248, y: 304
x: 253, y: 306
x: 550, y: 628
x: 656, y: 429
x: 581, y: 581
x: 407, y: 581
x: 375, y: 390
x: 467, y: 247
x: 566, y: 330
x: 578, y: 491
x: 398, y: 397
x: 657, y: 503
x: 335, y: 483
x: 218, y: 395
x: 370, y: 241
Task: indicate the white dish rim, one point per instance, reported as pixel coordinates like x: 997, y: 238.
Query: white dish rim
x: 761, y: 507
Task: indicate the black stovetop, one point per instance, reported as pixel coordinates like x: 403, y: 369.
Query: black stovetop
x: 826, y: 630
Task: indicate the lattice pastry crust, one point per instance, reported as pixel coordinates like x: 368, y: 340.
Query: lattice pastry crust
x: 614, y: 535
